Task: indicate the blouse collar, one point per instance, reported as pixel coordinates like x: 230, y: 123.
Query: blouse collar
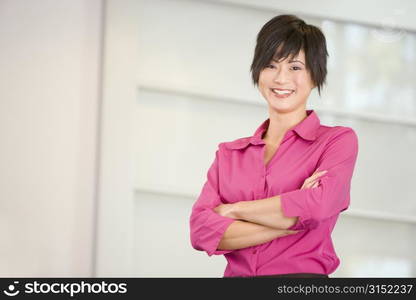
x: 307, y: 129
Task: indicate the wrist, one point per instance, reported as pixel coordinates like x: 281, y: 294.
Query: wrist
x: 238, y: 211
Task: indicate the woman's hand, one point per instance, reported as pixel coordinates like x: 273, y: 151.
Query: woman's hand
x: 227, y: 210
x: 313, y: 181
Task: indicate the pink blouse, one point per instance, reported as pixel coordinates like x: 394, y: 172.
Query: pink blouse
x: 238, y: 173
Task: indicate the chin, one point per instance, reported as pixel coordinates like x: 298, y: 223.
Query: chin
x: 283, y: 107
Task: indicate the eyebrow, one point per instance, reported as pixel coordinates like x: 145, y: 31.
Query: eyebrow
x: 291, y: 61
x: 297, y: 61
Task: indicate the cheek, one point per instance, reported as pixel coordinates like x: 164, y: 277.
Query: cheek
x: 263, y: 77
x: 263, y: 82
x: 303, y: 83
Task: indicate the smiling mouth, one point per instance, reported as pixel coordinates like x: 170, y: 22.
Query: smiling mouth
x: 280, y: 93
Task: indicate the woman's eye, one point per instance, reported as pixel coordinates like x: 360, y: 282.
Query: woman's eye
x: 269, y: 66
x: 296, y: 68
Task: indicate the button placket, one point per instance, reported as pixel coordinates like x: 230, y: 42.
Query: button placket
x: 261, y: 185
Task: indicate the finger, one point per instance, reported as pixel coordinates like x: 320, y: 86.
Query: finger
x: 316, y: 175
x: 306, y: 185
x: 314, y: 183
x: 310, y: 180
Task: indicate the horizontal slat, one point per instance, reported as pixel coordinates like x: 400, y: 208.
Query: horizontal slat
x: 371, y: 215
x: 364, y: 116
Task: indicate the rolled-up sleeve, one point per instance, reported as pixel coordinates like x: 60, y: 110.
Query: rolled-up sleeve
x: 332, y: 195
x: 206, y: 226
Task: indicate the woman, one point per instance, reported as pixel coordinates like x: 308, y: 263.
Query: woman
x: 271, y: 200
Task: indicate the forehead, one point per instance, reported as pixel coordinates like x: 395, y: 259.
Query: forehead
x: 300, y: 57
x: 288, y: 53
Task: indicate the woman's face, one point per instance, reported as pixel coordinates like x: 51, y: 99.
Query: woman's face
x: 291, y: 78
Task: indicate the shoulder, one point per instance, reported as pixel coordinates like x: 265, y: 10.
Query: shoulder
x: 344, y: 133
x: 335, y: 132
x: 341, y: 137
x: 239, y: 143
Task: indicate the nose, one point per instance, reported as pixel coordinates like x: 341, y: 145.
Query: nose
x: 280, y: 76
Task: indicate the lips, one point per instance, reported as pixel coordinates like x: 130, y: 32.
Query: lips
x: 282, y: 93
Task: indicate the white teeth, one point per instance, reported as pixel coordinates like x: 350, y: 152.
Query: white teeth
x: 282, y: 92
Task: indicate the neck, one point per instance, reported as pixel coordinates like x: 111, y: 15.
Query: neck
x: 280, y: 123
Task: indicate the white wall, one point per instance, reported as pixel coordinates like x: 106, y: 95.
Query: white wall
x: 49, y: 88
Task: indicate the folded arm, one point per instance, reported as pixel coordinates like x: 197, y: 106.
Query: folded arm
x: 267, y: 212
x: 305, y: 208
x: 217, y: 233
x: 242, y: 234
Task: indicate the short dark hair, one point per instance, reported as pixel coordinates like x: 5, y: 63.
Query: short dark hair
x: 293, y: 34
